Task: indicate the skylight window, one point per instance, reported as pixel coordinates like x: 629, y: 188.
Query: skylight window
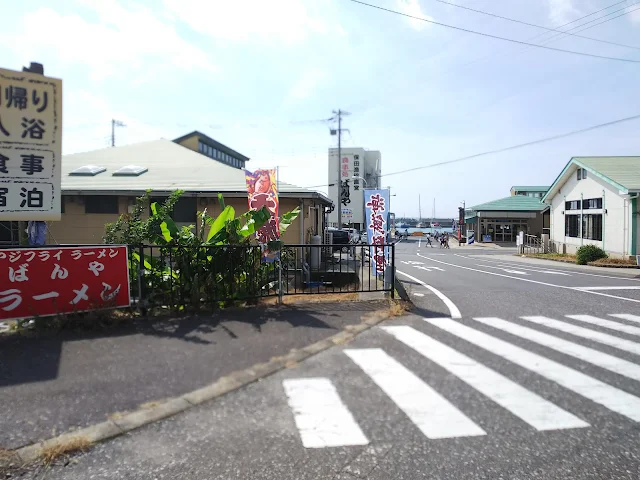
x: 130, y: 171
x: 88, y: 170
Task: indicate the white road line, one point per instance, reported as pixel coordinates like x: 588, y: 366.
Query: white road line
x: 419, y: 242
x: 572, y: 270
x: 532, y: 281
x: 599, y: 392
x: 626, y: 316
x: 321, y: 417
x: 601, y: 322
x: 604, y: 338
x: 610, y: 288
x: 453, y: 310
x: 517, y: 272
x: 586, y: 354
x: 418, y: 294
x: 427, y: 409
x: 528, y: 269
x: 531, y: 408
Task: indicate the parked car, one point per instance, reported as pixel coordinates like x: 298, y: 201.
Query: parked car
x: 340, y: 237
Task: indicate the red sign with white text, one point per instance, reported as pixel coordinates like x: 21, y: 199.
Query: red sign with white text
x: 48, y: 281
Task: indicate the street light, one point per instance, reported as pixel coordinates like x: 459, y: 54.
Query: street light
x: 354, y: 177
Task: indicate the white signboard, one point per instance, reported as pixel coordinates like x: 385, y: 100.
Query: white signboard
x: 347, y: 214
x: 352, y: 187
x: 30, y: 146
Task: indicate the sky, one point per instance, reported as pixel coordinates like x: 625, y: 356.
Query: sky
x: 263, y: 78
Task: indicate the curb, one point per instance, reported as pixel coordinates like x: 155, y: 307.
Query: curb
x: 144, y: 416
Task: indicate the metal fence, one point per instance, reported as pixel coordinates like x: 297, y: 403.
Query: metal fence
x: 180, y: 277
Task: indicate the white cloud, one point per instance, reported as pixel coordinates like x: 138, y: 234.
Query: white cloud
x: 288, y: 21
x: 308, y: 82
x: 124, y: 41
x: 412, y: 7
x: 634, y: 14
x: 562, y: 11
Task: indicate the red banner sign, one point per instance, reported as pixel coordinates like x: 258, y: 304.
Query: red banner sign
x: 48, y: 281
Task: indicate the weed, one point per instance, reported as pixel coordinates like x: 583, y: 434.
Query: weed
x: 64, y: 448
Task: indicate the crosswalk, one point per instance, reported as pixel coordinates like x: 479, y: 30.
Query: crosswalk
x: 324, y: 420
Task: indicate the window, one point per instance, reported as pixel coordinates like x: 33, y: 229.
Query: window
x: 215, y: 153
x: 101, y: 204
x: 572, y: 205
x: 571, y: 225
x: 592, y: 204
x: 581, y: 173
x: 186, y: 210
x: 592, y: 226
x: 201, y: 147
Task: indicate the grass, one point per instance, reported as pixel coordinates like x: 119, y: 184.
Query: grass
x: 604, y: 262
x: 72, y: 445
x: 397, y: 308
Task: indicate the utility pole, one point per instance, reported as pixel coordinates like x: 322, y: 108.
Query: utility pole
x: 114, y: 124
x: 338, y: 114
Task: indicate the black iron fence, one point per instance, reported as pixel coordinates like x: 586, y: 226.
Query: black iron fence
x: 192, y: 277
x: 180, y: 277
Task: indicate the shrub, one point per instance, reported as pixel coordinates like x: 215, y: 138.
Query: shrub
x: 589, y: 253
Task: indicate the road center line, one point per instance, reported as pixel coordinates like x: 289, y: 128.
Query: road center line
x: 575, y: 289
x: 453, y: 310
x: 611, y: 288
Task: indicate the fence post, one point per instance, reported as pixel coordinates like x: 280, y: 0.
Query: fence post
x: 280, y: 277
x: 393, y: 271
x: 140, y: 275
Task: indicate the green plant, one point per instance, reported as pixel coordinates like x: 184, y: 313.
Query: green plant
x: 589, y: 253
x: 219, y: 261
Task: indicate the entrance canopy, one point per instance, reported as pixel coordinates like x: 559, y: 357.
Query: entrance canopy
x: 501, y: 220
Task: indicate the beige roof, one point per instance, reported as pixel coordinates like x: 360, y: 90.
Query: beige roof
x: 170, y: 167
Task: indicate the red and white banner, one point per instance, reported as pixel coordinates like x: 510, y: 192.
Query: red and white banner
x: 48, y: 281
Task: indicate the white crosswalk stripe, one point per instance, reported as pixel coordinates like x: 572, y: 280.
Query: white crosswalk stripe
x: 323, y: 419
x: 533, y: 409
x: 605, y: 338
x: 612, y: 398
x: 626, y: 316
x: 603, y: 322
x: 590, y: 355
x: 427, y: 409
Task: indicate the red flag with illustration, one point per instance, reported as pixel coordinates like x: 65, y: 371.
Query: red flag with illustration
x: 263, y: 192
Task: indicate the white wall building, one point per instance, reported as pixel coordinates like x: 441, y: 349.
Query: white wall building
x: 358, y: 169
x: 594, y: 200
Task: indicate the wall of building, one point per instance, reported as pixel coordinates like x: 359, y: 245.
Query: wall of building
x: 615, y: 221
x: 191, y: 143
x: 78, y: 227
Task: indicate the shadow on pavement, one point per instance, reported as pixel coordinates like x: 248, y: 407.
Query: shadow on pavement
x: 55, y: 381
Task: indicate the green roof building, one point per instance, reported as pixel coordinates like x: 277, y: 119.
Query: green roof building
x: 594, y: 200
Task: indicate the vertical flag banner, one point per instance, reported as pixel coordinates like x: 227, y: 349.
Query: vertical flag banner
x: 263, y: 192
x: 376, y: 211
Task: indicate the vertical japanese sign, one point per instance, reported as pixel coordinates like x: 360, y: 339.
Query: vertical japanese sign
x: 263, y: 192
x: 351, y: 197
x: 30, y: 146
x: 49, y: 281
x: 377, y: 205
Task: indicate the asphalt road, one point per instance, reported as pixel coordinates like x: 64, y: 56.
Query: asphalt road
x: 509, y: 370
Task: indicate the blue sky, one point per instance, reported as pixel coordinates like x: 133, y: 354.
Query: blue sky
x: 258, y: 76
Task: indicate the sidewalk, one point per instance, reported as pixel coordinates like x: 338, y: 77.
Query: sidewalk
x: 53, y: 383
x: 621, y: 272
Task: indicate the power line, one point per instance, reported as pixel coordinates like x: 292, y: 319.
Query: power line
x: 505, y: 149
x: 535, y: 25
x: 609, y: 19
x: 566, y: 32
x: 395, y: 12
x: 521, y: 145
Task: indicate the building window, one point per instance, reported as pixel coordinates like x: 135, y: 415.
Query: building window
x: 581, y: 173
x: 186, y: 210
x: 572, y: 205
x: 101, y: 204
x: 201, y: 147
x: 592, y: 226
x: 592, y: 204
x: 571, y: 228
